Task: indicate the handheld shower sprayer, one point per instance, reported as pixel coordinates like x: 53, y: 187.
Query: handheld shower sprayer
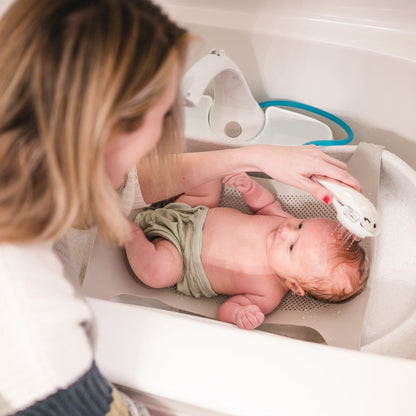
x: 234, y: 111
x: 354, y: 211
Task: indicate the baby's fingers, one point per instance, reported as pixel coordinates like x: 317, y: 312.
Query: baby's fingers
x: 250, y: 317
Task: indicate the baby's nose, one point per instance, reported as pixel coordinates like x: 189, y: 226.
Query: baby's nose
x: 288, y: 231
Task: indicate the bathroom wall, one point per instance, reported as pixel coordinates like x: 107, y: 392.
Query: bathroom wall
x: 354, y: 58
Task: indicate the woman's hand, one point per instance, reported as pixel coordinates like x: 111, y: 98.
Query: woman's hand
x: 295, y: 166
x: 292, y: 165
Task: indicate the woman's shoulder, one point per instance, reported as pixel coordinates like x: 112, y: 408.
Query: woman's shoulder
x: 29, y: 263
x: 34, y: 271
x: 33, y: 275
x: 16, y: 259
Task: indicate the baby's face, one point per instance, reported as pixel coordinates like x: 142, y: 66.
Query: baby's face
x: 299, y: 249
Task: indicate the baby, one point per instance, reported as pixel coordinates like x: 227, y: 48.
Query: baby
x: 255, y: 259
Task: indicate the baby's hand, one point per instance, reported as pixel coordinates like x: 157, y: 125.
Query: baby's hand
x: 249, y: 317
x: 241, y: 181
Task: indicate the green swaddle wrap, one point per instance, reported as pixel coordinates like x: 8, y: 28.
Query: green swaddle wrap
x: 182, y: 225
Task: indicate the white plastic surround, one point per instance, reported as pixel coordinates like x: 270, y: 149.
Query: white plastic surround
x: 203, y: 367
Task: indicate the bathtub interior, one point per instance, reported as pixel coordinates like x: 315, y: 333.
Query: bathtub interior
x: 390, y: 319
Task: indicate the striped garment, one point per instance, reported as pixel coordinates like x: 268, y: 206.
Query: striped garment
x: 90, y: 395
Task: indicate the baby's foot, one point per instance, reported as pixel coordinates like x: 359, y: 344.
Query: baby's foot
x: 241, y: 181
x: 249, y: 317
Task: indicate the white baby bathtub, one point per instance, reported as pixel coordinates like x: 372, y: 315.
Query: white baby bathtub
x: 187, y: 365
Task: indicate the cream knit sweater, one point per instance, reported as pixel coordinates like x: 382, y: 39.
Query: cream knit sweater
x: 46, y: 330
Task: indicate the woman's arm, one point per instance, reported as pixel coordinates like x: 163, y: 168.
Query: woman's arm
x: 207, y: 194
x: 293, y: 165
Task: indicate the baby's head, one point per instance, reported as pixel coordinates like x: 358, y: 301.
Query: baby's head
x: 323, y: 259
x: 347, y: 268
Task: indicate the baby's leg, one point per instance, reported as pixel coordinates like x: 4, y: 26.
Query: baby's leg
x: 156, y: 263
x: 207, y: 194
x: 241, y: 311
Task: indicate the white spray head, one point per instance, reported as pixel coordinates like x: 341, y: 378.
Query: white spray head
x: 354, y: 211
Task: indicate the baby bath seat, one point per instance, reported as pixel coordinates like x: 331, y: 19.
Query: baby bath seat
x: 196, y: 366
x: 297, y: 317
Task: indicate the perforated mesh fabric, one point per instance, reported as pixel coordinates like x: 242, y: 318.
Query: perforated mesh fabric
x: 300, y: 206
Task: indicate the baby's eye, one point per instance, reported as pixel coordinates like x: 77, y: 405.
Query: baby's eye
x: 291, y: 247
x: 300, y: 225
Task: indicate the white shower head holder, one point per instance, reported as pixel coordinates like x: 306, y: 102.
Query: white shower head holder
x: 234, y: 112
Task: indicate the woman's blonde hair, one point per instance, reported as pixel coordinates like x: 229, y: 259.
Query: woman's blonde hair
x: 73, y: 73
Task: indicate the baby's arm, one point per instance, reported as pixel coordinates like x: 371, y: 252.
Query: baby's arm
x: 241, y: 311
x: 156, y: 263
x: 207, y: 194
x: 248, y: 311
x: 258, y: 198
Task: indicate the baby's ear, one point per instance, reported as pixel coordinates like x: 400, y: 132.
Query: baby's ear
x: 294, y: 286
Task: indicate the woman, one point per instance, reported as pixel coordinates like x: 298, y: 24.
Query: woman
x: 89, y: 89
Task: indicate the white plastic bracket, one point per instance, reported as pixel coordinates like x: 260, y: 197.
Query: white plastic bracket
x: 234, y: 112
